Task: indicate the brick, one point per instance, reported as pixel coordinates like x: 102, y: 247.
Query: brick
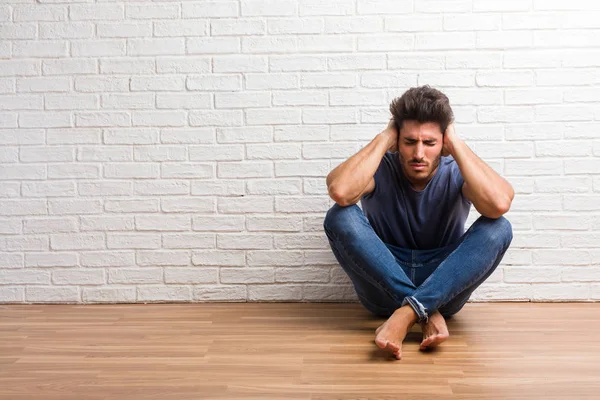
x: 40, y: 294
x: 188, y: 241
x: 274, y: 224
x: 247, y: 275
x: 193, y: 275
x: 78, y: 276
x: 228, y: 258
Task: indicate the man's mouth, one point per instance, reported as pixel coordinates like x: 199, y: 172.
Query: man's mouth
x: 418, y: 167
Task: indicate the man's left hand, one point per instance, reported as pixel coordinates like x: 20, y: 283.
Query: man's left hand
x: 449, y: 140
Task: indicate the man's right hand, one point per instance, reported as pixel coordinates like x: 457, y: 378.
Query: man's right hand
x: 391, y: 135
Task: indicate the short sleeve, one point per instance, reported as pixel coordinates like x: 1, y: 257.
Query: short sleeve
x: 458, y: 179
x: 379, y: 177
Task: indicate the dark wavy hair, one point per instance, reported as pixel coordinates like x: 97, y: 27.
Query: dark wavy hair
x: 422, y: 104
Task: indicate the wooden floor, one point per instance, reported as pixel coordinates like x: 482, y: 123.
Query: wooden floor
x: 293, y: 351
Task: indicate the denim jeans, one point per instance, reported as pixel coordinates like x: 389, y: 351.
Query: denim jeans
x: 387, y: 277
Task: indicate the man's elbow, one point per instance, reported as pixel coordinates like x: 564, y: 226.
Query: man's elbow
x: 497, y: 211
x: 339, y: 196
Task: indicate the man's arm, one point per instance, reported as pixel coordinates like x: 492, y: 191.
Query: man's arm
x: 349, y: 180
x: 490, y: 193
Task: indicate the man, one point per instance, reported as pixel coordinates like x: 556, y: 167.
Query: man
x: 406, y: 251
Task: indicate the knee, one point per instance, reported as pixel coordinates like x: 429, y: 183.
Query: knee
x: 338, y: 219
x: 499, y: 231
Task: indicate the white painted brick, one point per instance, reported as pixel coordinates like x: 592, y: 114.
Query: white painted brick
x: 564, y: 113
x: 515, y: 256
x: 133, y: 241
x: 563, y: 291
x: 231, y: 293
x: 413, y: 23
x: 163, y: 293
x: 77, y: 241
x: 504, y: 39
x: 25, y: 277
x: 194, y: 27
x: 561, y: 256
x: 244, y: 63
x: 560, y: 185
x: 536, y: 240
x: 73, y: 171
x: 159, y: 118
x: 537, y: 202
x: 302, y: 274
x: 103, y: 119
x: 237, y: 27
x: 162, y: 258
x: 191, y: 275
x: 481, y: 59
x: 305, y: 204
x: 44, y: 49
x: 188, y: 241
x: 105, y: 188
x: 505, y: 114
x: 300, y: 98
x: 216, y: 118
x: 107, y: 259
x: 160, y: 153
x: 40, y: 294
x: 567, y: 77
x: 254, y: 169
x: 211, y: 45
x: 294, y: 63
x: 157, y: 83
x: 128, y: 206
x: 271, y: 81
x: 49, y: 12
x: 580, y: 239
x: 388, y: 42
x: 108, y: 223
x: 575, y: 95
x: 19, y: 67
x: 10, y: 189
x: 18, y: 30
x: 162, y: 223
x: 269, y: 116
x: 274, y: 224
x: 242, y: 100
x: 301, y: 168
x: 334, y: 7
x: 247, y: 275
x: 25, y: 243
x: 274, y: 258
x: 321, y: 43
x: 561, y: 38
x: 562, y: 222
x: 314, y: 186
x: 351, y: 97
x: 285, y: 26
x: 445, y: 79
x: 301, y: 241
x: 268, y: 8
x: 229, y: 258
x: 130, y: 170
x: 48, y: 189
x: 574, y: 274
x: 11, y: 295
x: 531, y: 274
x: 303, y: 133
x: 196, y: 205
x: 326, y: 293
x: 208, y: 223
x: 214, y: 82
x: 248, y: 204
x: 210, y: 9
x: 219, y: 187
x: 319, y: 257
x: 384, y: 7
x: 187, y: 135
x: 274, y: 292
x: 11, y: 260
x: 23, y: 207
x: 134, y: 101
x: 499, y: 292
x: 216, y: 153
x: 127, y: 66
x: 582, y: 202
x: 49, y: 225
x: 73, y: 276
x: 503, y: 79
x: 353, y: 25
x: 538, y: 131
x: 503, y: 149
x: 124, y: 29
x: 274, y: 186
x: 183, y: 100
x: 475, y: 22
x: 327, y: 80
x: 444, y: 41
x: 272, y: 151
x: 151, y: 11
x: 109, y: 295
x: 332, y: 115
x: 185, y: 64
x: 135, y: 276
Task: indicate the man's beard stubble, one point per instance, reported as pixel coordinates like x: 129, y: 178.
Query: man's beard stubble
x: 412, y: 178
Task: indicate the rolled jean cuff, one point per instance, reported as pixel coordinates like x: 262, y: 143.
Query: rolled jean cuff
x: 418, y: 307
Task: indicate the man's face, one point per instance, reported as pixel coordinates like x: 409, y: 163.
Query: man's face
x: 420, y: 151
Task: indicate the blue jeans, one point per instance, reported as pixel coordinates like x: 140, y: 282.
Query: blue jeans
x: 387, y: 277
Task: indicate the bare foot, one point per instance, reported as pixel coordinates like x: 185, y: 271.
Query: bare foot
x: 390, y: 335
x: 435, y: 331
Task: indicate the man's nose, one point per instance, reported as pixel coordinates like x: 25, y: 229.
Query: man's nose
x: 419, y: 151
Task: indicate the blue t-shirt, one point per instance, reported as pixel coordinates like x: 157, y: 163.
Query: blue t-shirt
x: 432, y: 218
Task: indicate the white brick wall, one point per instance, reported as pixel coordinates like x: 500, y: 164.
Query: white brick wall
x: 177, y: 151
